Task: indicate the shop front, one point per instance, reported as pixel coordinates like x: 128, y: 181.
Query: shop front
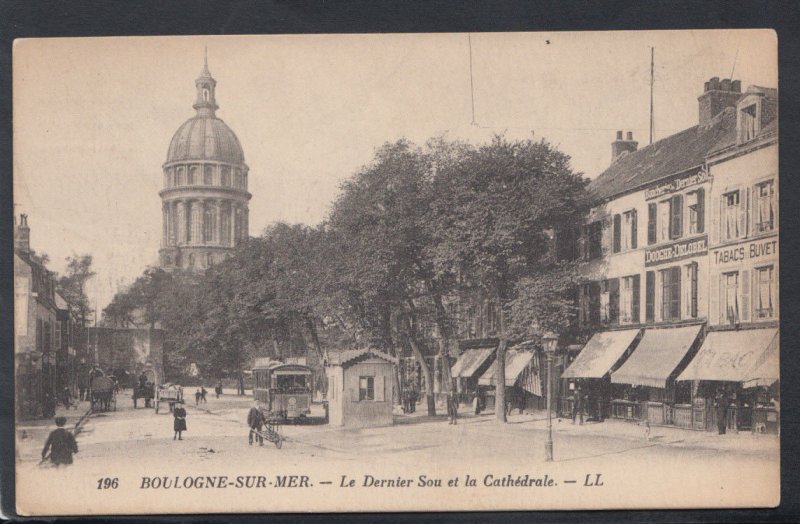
x: 644, y: 387
x: 523, y: 381
x: 589, y: 373
x: 471, y: 364
x: 734, y: 375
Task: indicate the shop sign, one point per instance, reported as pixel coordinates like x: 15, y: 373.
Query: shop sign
x: 677, y: 184
x: 747, y: 251
x: 676, y: 251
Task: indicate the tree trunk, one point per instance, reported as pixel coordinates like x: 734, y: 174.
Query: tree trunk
x: 240, y: 389
x: 426, y: 372
x: 500, y: 380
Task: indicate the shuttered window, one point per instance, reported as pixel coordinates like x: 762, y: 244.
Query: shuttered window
x: 366, y: 388
x: 617, y: 233
x: 690, y: 290
x: 671, y: 293
x: 676, y: 216
x: 652, y: 220
x: 613, y: 301
x: 635, y: 300
x: 650, y: 297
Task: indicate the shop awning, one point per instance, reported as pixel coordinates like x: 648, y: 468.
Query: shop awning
x: 730, y: 356
x: 469, y: 361
x: 768, y: 372
x: 600, y: 354
x: 656, y: 357
x: 516, y: 362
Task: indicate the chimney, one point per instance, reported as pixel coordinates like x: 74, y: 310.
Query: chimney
x: 718, y: 95
x: 22, y: 235
x: 620, y: 146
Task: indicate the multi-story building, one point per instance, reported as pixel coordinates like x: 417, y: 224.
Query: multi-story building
x: 742, y: 344
x: 646, y: 245
x: 35, y: 328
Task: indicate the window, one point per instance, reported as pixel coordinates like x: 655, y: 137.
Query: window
x: 650, y: 296
x: 671, y: 293
x: 181, y: 177
x: 694, y: 207
x: 764, y: 293
x: 205, y: 94
x: 593, y: 245
x: 209, y: 224
x: 652, y: 220
x: 748, y: 125
x: 730, y: 297
x: 609, y: 301
x: 629, y: 300
x: 208, y: 175
x: 225, y: 176
x: 690, y: 291
x: 209, y: 260
x: 663, y: 220
x: 492, y: 318
x: 764, y: 207
x: 624, y: 231
x: 366, y: 388
x: 676, y: 217
x: 731, y: 216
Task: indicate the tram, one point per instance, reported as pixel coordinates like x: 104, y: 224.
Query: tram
x: 282, y: 390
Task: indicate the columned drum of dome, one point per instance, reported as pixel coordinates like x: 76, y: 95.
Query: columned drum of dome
x: 204, y: 197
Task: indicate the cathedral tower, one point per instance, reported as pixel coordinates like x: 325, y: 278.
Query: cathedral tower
x: 204, y: 199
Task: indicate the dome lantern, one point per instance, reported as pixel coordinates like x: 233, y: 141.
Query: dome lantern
x: 206, y: 102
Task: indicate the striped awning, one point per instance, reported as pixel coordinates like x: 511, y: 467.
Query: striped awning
x: 470, y: 361
x: 600, y: 354
x: 657, y: 356
x: 516, y: 363
x: 768, y: 372
x: 730, y: 356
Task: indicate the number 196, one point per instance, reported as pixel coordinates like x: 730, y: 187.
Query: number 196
x: 107, y: 483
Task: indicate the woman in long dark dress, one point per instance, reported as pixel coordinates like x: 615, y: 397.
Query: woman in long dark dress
x: 179, y: 424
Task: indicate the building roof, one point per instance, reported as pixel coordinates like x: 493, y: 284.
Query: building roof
x: 668, y: 156
x: 205, y: 138
x: 348, y: 357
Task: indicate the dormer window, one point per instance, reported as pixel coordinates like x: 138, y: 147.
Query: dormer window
x: 748, y: 123
x: 206, y: 94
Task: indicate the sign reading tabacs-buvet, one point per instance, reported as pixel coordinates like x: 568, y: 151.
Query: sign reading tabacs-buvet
x: 676, y: 251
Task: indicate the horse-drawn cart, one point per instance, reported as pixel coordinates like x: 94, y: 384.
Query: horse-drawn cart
x: 145, y: 388
x: 104, y: 395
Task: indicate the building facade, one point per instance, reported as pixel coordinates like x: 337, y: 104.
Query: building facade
x: 204, y: 196
x: 360, y: 388
x: 673, y: 247
x: 35, y: 328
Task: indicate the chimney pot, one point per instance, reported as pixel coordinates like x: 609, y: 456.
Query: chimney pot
x: 706, y: 87
x: 736, y: 86
x: 725, y: 85
x: 630, y: 135
x: 717, y: 96
x: 714, y: 83
x: 619, y: 135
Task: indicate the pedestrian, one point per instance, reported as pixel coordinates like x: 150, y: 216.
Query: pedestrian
x: 218, y: 389
x: 452, y: 407
x: 203, y: 395
x: 179, y: 423
x: 66, y: 397
x: 49, y: 405
x: 197, y: 395
x: 255, y: 420
x: 577, y: 405
x: 61, y: 444
x: 412, y: 399
x: 722, y: 412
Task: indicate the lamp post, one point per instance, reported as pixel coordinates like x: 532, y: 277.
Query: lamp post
x: 549, y: 341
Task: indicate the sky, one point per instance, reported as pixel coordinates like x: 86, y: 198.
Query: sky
x: 93, y: 117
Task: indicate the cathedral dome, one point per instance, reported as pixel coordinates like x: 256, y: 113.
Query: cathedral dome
x: 205, y: 137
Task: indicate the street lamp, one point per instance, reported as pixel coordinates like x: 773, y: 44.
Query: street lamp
x: 549, y: 342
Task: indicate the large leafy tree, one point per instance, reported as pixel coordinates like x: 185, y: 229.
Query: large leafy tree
x: 491, y: 222
x: 73, y: 284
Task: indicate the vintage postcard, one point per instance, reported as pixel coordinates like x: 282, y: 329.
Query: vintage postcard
x: 396, y: 272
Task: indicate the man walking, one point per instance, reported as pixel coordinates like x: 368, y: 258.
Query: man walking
x: 255, y: 420
x: 452, y: 407
x: 61, y: 444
